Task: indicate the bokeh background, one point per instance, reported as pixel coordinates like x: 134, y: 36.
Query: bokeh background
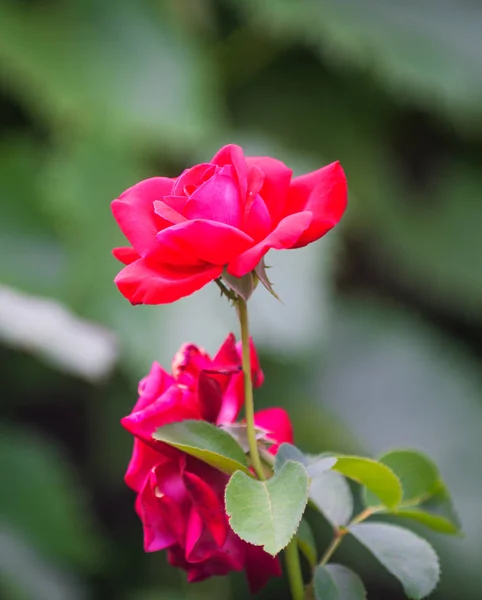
x: 379, y: 341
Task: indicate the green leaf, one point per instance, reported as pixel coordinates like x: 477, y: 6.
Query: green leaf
x: 268, y: 513
x: 406, y: 555
x: 206, y: 442
x: 315, y: 465
x: 238, y: 431
x: 42, y: 501
x: 336, y: 582
x: 331, y: 495
x: 306, y: 542
x: 377, y: 477
x: 418, y: 475
x: 434, y: 522
x: 421, y: 484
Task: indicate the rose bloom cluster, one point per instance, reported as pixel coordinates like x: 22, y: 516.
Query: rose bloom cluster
x: 180, y: 499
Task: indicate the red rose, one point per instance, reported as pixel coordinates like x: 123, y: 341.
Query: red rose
x: 224, y: 214
x: 180, y: 499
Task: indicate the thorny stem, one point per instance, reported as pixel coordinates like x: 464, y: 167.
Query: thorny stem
x: 248, y: 389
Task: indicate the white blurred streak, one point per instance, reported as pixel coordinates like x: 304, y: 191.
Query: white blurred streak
x: 48, y: 328
x: 26, y: 571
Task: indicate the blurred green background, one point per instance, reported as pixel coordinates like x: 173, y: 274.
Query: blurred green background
x: 379, y: 341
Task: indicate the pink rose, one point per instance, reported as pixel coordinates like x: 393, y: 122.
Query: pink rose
x: 180, y: 500
x: 225, y: 214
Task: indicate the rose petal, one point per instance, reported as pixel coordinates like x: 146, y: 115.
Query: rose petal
x: 260, y: 567
x: 125, y: 254
x: 135, y: 215
x: 152, y: 386
x: 234, y: 155
x: 142, y: 283
x: 324, y: 193
x: 194, y: 530
x: 143, y: 460
x: 210, y: 397
x: 192, y: 178
x: 277, y: 422
x: 155, y: 520
x: 277, y: 179
x: 257, y: 375
x: 198, y: 242
x: 284, y: 236
x: 167, y: 212
x: 174, y: 405
x: 209, y: 507
x: 257, y: 222
x: 218, y: 199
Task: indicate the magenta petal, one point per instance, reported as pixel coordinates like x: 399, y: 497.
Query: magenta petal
x: 234, y: 155
x: 143, y: 460
x: 174, y: 405
x: 134, y: 212
x: 194, y: 531
x: 199, y: 242
x: 209, y: 397
x: 192, y: 178
x: 209, y: 507
x: 260, y: 567
x: 218, y: 199
x: 324, y: 193
x: 168, y: 213
x: 125, y: 254
x: 284, y: 236
x: 277, y: 179
x: 277, y: 422
x: 257, y: 222
x: 155, y: 520
x: 142, y: 283
x: 152, y: 386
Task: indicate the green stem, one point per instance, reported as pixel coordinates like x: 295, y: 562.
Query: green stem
x: 248, y: 389
x: 335, y: 542
x: 293, y: 569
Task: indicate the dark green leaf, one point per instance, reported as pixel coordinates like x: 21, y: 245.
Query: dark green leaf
x: 306, y: 542
x: 377, y: 477
x: 268, y: 513
x: 406, y: 555
x: 418, y: 475
x: 336, y: 582
x: 242, y: 286
x: 206, y: 442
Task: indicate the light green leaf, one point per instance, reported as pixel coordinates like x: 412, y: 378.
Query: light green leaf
x: 268, y: 513
x: 315, y: 465
x: 418, y: 475
x: 306, y: 542
x: 206, y: 442
x: 406, y: 555
x: 336, y: 582
x: 331, y: 495
x: 377, y: 477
